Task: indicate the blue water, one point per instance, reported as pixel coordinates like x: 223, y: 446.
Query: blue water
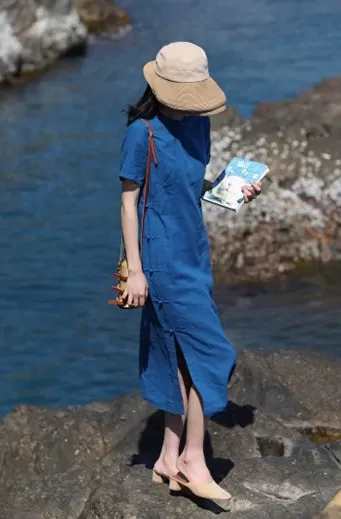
x: 60, y: 135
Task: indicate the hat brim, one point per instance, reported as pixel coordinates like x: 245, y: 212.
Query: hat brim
x: 199, y: 97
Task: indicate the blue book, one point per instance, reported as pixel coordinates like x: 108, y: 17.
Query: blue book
x: 226, y: 188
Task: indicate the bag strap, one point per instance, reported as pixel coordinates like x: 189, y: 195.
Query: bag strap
x: 151, y: 156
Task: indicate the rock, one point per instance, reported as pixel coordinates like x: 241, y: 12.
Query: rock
x: 102, y: 16
x: 297, y: 219
x: 34, y: 33
x: 320, y: 105
x: 94, y: 462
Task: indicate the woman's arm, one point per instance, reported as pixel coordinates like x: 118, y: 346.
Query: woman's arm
x: 130, y: 226
x: 137, y: 287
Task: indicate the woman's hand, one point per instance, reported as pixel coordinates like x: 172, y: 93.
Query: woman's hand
x: 251, y: 191
x: 137, y: 289
x: 207, y: 185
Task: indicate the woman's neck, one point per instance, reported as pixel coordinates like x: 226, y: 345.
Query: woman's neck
x: 178, y: 115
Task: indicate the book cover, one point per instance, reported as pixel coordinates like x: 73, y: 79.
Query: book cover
x: 226, y: 189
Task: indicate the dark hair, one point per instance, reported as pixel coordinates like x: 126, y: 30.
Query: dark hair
x: 145, y: 108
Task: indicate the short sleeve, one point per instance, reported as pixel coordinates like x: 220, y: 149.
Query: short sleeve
x: 207, y: 137
x: 134, y: 152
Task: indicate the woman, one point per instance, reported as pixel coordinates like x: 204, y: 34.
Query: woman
x: 185, y: 358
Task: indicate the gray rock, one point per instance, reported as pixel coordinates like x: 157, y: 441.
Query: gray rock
x: 34, y: 33
x: 297, y: 220
x: 94, y: 462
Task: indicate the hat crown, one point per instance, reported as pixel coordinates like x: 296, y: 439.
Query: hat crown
x: 182, y: 62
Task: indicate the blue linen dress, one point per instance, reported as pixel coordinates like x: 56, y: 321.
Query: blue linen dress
x: 176, y: 261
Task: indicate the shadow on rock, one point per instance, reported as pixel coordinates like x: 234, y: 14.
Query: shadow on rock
x: 242, y: 415
x: 203, y: 504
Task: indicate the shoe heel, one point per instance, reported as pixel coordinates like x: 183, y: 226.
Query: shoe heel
x: 174, y: 486
x: 156, y: 477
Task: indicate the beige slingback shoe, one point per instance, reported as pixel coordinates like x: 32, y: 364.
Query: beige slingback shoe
x: 210, y: 491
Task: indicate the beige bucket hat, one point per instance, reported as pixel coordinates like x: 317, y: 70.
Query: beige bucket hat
x: 179, y: 79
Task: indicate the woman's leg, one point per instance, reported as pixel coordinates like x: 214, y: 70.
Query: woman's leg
x: 174, y: 425
x: 192, y: 460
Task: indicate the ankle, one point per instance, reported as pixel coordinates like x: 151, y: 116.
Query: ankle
x: 191, y: 456
x: 169, y: 456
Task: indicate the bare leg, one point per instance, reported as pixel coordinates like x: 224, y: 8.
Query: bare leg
x: 192, y: 460
x: 174, y: 425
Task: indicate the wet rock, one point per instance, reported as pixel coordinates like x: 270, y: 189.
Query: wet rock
x: 297, y: 220
x: 94, y: 462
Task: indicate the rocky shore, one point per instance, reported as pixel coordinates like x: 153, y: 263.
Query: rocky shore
x: 277, y: 448
x: 297, y: 220
x: 34, y: 33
